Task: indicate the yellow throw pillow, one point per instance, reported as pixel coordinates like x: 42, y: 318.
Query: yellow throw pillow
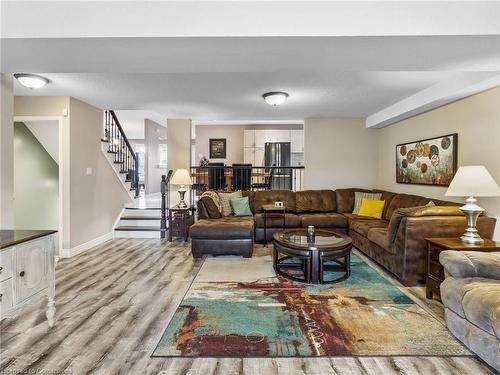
x: 371, y: 208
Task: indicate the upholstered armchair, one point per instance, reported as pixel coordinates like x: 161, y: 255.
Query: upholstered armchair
x: 471, y: 296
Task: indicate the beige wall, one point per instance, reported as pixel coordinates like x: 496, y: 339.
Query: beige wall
x: 96, y: 200
x: 234, y: 142
x: 91, y: 203
x: 339, y: 152
x: 179, y: 149
x: 476, y: 119
x: 6, y: 152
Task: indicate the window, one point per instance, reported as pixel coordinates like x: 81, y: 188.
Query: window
x: 162, y: 155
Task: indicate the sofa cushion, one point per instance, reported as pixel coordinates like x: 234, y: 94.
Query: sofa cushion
x: 275, y: 220
x: 380, y: 237
x: 387, y: 197
x: 315, y: 201
x: 324, y: 220
x: 362, y: 226
x: 345, y: 199
x: 475, y: 299
x: 403, y: 201
x: 263, y: 197
x: 229, y: 228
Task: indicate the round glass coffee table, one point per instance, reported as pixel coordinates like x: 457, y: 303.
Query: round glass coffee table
x: 298, y: 259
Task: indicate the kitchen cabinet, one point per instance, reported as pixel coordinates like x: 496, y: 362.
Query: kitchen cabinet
x: 259, y: 157
x: 297, y: 140
x: 249, y: 138
x: 263, y: 136
x: 248, y: 153
x: 254, y: 156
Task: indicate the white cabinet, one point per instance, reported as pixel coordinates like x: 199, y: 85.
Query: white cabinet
x: 31, y: 268
x: 6, y: 297
x: 27, y: 273
x: 258, y: 159
x: 297, y: 140
x: 248, y: 153
x: 6, y: 264
x: 263, y: 136
x: 249, y: 138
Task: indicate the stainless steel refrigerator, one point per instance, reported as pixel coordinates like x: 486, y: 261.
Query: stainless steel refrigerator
x: 278, y: 154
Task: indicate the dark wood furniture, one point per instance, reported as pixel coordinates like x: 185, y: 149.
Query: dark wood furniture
x: 271, y: 209
x: 179, y: 221
x: 435, y: 271
x: 309, y: 258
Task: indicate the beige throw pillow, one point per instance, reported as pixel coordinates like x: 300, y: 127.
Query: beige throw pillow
x: 358, y: 198
x: 227, y: 210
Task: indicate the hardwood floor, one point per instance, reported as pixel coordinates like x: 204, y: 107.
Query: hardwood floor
x: 113, y: 303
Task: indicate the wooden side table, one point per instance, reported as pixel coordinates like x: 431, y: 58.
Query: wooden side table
x: 435, y: 271
x: 179, y: 221
x: 271, y: 208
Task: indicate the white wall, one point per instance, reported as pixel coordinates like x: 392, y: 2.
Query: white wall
x: 476, y: 119
x: 339, y: 152
x: 6, y: 152
x: 154, y: 135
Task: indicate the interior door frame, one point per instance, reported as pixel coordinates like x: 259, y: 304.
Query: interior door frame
x: 59, y: 120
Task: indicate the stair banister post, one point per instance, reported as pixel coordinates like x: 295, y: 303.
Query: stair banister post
x: 163, y: 223
x: 136, y: 175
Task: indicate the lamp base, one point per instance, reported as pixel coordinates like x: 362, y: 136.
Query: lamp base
x: 472, y: 212
x: 182, y: 192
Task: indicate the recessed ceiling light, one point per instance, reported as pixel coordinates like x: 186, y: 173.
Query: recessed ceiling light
x: 275, y: 97
x: 31, y: 81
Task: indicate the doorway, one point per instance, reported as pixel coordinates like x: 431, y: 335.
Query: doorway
x: 38, y: 175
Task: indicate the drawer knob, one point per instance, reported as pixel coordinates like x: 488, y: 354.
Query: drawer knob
x: 22, y: 274
x: 1, y: 295
x: 1, y: 268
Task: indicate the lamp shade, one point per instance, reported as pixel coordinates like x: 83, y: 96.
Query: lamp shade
x: 473, y: 181
x: 181, y: 177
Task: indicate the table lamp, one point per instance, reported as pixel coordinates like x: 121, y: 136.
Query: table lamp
x: 472, y: 181
x: 181, y: 177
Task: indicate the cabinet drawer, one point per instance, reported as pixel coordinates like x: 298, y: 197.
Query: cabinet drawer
x: 434, y: 252
x: 436, y: 270
x: 6, y: 264
x: 6, y: 300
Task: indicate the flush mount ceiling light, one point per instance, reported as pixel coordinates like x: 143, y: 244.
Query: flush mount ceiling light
x: 275, y: 97
x: 31, y: 81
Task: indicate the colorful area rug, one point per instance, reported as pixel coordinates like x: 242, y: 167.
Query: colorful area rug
x: 238, y: 307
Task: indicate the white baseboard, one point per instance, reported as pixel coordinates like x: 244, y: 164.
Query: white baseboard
x: 66, y: 253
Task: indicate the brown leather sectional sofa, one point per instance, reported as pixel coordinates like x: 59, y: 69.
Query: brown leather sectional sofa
x: 396, y: 241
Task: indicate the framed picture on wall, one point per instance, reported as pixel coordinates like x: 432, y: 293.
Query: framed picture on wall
x: 430, y: 161
x: 217, y: 147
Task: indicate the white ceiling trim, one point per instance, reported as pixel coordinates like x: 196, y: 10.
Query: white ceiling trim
x: 78, y: 19
x: 433, y: 97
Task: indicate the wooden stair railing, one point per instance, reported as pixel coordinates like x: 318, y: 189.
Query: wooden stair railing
x: 165, y: 202
x: 120, y: 147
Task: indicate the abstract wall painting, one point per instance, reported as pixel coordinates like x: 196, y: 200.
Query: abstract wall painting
x: 430, y: 161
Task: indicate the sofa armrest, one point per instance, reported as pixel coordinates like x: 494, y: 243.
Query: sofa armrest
x: 462, y: 264
x: 411, y: 246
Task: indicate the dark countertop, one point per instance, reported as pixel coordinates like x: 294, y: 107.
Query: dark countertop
x: 10, y: 238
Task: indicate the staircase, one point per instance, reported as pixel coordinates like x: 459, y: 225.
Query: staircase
x: 143, y: 218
